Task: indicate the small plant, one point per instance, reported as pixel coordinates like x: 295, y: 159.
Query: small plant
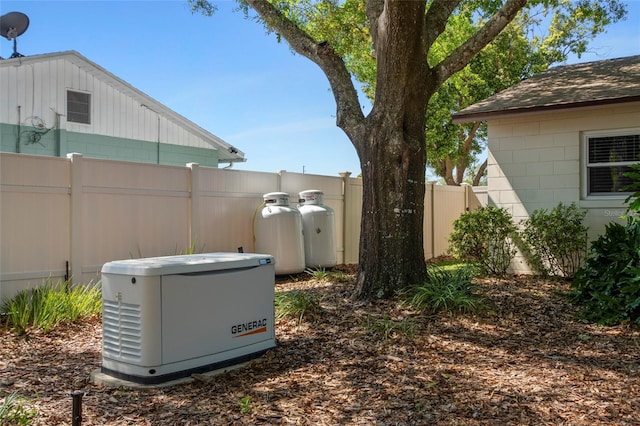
x: 446, y: 290
x: 191, y: 249
x: 318, y: 274
x: 297, y: 305
x: 15, y: 410
x: 485, y: 237
x: 555, y: 242
x: 46, y: 306
x: 387, y: 327
x: 245, y: 404
x: 339, y: 277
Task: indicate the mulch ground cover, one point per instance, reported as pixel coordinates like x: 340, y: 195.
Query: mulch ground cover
x: 524, y: 360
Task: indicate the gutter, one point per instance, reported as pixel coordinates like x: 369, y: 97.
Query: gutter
x: 462, y: 117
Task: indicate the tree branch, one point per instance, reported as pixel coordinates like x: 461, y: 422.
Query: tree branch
x: 349, y: 116
x: 478, y: 176
x: 460, y: 57
x: 435, y: 20
x: 374, y: 10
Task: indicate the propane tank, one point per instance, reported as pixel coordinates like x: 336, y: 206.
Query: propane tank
x: 278, y: 232
x: 319, y: 228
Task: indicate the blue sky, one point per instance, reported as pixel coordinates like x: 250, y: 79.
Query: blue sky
x: 225, y: 73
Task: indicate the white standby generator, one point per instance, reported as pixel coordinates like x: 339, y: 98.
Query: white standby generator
x: 166, y: 318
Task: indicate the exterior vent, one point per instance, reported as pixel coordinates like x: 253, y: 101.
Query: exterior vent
x: 121, y: 334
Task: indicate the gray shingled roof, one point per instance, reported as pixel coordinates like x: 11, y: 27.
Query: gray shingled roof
x: 591, y: 83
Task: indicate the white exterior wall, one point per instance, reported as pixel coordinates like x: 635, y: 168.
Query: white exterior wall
x: 535, y: 162
x: 39, y: 86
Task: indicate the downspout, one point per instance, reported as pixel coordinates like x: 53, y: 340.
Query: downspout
x: 58, y: 136
x: 345, y: 182
x: 19, y: 130
x: 158, y: 115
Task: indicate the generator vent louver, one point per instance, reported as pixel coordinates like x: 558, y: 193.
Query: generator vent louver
x: 121, y: 334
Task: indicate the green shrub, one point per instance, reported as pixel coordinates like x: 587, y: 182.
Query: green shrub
x: 608, y: 284
x: 485, y: 237
x: 555, y: 242
x: 633, y: 199
x: 446, y: 290
x: 46, y: 306
x: 15, y: 410
x: 298, y: 305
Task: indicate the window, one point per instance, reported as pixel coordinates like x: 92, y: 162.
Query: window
x: 78, y: 107
x: 607, y: 157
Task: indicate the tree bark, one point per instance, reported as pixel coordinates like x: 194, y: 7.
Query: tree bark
x: 478, y: 177
x: 391, y: 240
x: 393, y: 158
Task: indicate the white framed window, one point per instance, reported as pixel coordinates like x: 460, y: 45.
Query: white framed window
x: 607, y: 155
x: 78, y: 107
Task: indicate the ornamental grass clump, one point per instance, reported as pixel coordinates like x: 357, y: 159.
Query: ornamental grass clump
x: 51, y: 304
x: 16, y: 410
x: 297, y: 305
x: 448, y: 290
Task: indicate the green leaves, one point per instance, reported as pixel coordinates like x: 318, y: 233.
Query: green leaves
x: 51, y: 304
x: 297, y: 305
x: 608, y: 285
x: 446, y: 290
x: 555, y: 242
x: 633, y: 200
x: 485, y: 237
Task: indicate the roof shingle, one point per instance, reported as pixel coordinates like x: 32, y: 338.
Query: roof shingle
x: 590, y: 83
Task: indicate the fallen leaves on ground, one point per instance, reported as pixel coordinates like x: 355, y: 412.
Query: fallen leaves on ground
x: 525, y: 360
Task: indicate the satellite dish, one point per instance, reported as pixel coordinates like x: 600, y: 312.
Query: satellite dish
x: 12, y: 25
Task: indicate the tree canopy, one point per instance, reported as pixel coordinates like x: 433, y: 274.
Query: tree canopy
x: 403, y: 52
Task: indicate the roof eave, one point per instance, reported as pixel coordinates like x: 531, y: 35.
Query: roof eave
x: 462, y: 117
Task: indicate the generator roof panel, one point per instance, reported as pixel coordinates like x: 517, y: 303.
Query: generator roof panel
x: 186, y: 264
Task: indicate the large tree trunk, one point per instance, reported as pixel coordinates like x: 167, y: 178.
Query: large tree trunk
x: 391, y: 239
x: 392, y: 157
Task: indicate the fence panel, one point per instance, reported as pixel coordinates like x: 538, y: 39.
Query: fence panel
x: 449, y: 202
x: 34, y: 219
x: 85, y: 212
x: 129, y: 210
x: 228, y: 201
x: 352, y: 218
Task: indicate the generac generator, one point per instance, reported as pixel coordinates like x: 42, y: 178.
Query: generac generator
x: 166, y: 318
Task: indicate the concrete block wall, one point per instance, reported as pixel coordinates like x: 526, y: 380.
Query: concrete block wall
x: 535, y: 161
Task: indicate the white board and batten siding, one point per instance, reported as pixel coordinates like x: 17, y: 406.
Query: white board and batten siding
x: 38, y: 85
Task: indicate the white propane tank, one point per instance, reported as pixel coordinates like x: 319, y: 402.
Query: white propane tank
x: 278, y: 232
x: 318, y: 224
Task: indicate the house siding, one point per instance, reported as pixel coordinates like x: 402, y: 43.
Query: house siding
x: 125, y: 125
x: 534, y: 162
x: 59, y: 143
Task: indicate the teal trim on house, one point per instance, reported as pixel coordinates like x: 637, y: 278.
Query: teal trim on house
x: 58, y: 143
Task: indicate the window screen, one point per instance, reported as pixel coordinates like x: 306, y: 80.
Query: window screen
x: 78, y: 107
x: 609, y: 158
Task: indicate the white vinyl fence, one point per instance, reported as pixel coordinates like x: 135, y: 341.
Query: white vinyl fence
x: 66, y: 217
